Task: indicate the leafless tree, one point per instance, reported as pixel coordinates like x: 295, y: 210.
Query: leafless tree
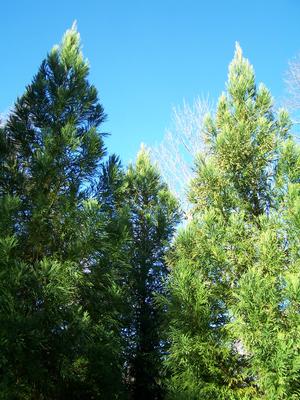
x: 175, y: 154
x: 292, y: 80
x: 292, y: 99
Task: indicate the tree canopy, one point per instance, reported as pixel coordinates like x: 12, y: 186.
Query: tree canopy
x: 105, y: 292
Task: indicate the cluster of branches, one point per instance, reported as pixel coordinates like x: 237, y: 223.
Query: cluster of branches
x: 185, y: 139
x: 97, y: 300
x: 82, y: 246
x: 234, y: 286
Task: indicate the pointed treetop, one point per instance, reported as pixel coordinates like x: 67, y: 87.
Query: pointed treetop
x: 142, y: 164
x: 69, y: 33
x: 70, y: 49
x: 143, y: 149
x: 72, y: 33
x: 238, y: 52
x: 74, y: 25
x: 143, y: 155
x: 241, y: 77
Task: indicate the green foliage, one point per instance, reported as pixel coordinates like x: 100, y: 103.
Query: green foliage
x: 97, y: 301
x: 82, y: 246
x: 50, y: 150
x: 234, y: 269
x: 104, y: 291
x: 53, y: 148
x: 153, y: 214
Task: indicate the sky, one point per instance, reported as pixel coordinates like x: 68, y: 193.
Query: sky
x: 148, y: 56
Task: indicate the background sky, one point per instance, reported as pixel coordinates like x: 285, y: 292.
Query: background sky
x: 147, y: 56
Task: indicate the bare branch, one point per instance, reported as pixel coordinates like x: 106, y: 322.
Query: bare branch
x: 175, y: 154
x: 292, y: 81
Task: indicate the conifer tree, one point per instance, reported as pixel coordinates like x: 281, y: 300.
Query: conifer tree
x: 104, y: 293
x: 267, y: 301
x: 237, y: 188
x: 50, y: 148
x: 153, y: 214
x: 55, y: 146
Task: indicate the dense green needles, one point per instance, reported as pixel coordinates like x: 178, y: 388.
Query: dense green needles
x: 100, y: 298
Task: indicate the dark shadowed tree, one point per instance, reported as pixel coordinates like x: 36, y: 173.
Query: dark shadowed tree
x: 50, y: 149
x: 153, y: 214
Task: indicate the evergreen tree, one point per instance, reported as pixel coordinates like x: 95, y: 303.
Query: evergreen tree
x: 104, y: 292
x: 153, y: 214
x: 54, y: 148
x: 50, y: 148
x: 237, y: 189
x: 267, y: 301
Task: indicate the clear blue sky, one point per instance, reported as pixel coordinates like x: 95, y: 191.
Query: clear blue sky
x: 147, y: 56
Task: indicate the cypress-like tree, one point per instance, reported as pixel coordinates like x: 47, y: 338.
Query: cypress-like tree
x: 50, y: 148
x: 153, y: 214
x: 221, y: 326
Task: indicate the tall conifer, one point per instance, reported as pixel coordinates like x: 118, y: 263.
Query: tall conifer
x: 50, y: 148
x: 234, y: 193
x: 153, y: 213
